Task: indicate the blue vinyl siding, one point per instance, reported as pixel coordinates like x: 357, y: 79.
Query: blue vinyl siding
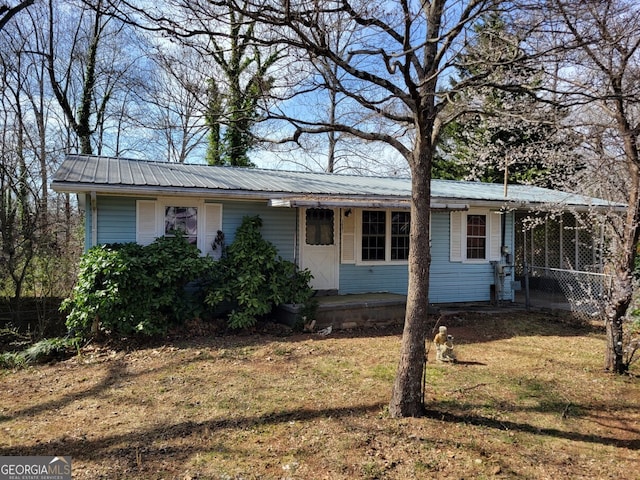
x: 117, y: 222
x: 278, y: 224
x: 371, y: 279
x: 457, y: 281
x: 450, y: 281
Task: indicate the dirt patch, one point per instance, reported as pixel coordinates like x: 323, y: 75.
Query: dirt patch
x: 528, y: 400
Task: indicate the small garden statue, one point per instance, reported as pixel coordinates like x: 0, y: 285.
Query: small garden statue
x: 444, y: 346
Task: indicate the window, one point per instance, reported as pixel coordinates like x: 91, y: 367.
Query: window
x: 476, y: 237
x: 198, y: 220
x: 384, y: 236
x: 182, y: 219
x: 400, y: 223
x: 319, y: 226
x: 373, y: 235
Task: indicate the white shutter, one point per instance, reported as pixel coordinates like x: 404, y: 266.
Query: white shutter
x: 495, y: 239
x: 146, y: 222
x: 455, y: 233
x: 212, y: 224
x: 348, y: 249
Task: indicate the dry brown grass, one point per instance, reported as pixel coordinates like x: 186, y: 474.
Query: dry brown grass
x: 528, y: 400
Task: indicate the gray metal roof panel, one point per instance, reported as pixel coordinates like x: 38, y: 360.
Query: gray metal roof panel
x: 120, y: 174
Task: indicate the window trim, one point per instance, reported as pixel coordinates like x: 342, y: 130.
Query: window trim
x: 486, y: 236
x: 458, y: 227
x: 206, y: 221
x: 318, y: 234
x: 387, y: 247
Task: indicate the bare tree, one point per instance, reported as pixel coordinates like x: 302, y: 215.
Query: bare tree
x: 21, y: 143
x: 7, y: 12
x: 87, y: 62
x: 240, y: 78
x: 179, y: 97
x: 395, y: 70
x: 596, y: 50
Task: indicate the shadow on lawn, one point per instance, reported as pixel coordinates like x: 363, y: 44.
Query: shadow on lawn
x: 180, y: 441
x: 116, y: 374
x: 467, y: 327
x: 202, y: 435
x: 506, y: 425
x: 110, y: 447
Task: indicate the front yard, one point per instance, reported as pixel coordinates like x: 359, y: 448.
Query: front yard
x: 527, y: 400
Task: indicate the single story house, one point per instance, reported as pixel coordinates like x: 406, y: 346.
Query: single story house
x: 351, y: 231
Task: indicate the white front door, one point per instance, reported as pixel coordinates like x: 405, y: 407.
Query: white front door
x: 319, y: 246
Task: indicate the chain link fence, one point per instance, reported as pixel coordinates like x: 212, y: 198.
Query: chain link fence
x: 563, y: 253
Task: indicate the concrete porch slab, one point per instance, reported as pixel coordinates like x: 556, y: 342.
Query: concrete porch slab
x: 350, y: 311
x: 385, y: 309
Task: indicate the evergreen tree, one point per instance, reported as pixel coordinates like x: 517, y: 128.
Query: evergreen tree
x: 504, y: 128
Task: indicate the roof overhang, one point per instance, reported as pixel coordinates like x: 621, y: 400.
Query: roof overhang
x: 319, y: 202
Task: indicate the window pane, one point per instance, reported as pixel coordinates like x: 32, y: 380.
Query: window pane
x: 373, y: 235
x: 182, y: 219
x: 476, y: 225
x: 319, y: 226
x: 400, y: 224
x: 476, y: 236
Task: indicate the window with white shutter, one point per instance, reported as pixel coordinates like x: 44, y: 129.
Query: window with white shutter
x: 475, y: 236
x: 200, y: 222
x: 213, y: 237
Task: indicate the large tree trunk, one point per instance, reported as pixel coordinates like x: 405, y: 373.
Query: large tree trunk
x: 407, y: 395
x: 622, y: 294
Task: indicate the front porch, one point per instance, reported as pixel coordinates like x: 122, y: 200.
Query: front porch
x: 386, y: 309
x: 350, y: 311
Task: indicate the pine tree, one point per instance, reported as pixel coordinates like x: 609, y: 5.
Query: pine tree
x: 501, y: 127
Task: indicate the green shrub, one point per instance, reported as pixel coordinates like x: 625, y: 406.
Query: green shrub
x: 252, y: 277
x: 43, y: 351
x: 10, y: 360
x: 50, y: 349
x: 133, y: 289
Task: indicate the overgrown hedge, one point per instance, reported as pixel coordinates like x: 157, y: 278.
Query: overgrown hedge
x: 129, y: 289
x: 253, y: 278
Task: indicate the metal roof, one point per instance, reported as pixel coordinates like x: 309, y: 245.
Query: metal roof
x: 85, y: 173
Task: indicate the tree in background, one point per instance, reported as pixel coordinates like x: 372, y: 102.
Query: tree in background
x: 176, y: 102
x: 503, y: 134
x: 90, y: 58
x: 233, y: 100
x: 239, y: 79
x: 7, y: 12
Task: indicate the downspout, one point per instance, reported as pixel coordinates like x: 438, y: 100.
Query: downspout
x: 504, y: 231
x: 94, y: 220
x: 296, y: 238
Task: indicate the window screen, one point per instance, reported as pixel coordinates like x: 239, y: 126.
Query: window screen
x: 319, y: 226
x: 400, y: 224
x: 373, y: 235
x: 476, y: 236
x: 182, y: 219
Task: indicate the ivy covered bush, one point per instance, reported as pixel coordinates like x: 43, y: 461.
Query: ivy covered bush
x: 253, y: 278
x: 132, y: 289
